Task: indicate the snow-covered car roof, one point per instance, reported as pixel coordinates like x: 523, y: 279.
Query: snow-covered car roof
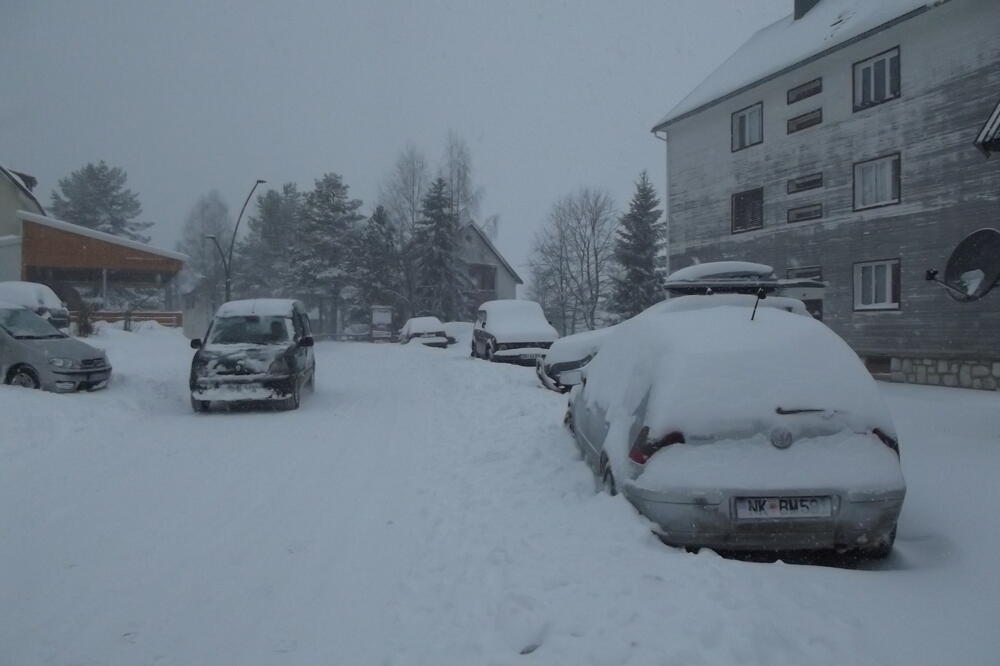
x: 711, y: 371
x: 722, y: 269
x: 423, y: 325
x: 265, y: 307
x: 30, y: 294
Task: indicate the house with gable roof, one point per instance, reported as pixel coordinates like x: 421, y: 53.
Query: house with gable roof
x: 846, y: 142
x: 491, y: 275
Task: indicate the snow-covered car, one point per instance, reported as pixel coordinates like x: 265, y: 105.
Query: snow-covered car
x: 428, y: 331
x: 254, y: 350
x: 562, y: 366
x: 35, y: 354
x: 38, y: 298
x: 512, y: 331
x: 742, y: 431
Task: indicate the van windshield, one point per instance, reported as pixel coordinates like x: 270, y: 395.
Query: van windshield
x: 24, y: 324
x: 250, y: 329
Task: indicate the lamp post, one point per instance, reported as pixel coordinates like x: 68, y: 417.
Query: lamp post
x: 227, y: 259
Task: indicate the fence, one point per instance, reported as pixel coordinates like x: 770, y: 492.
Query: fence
x: 175, y: 319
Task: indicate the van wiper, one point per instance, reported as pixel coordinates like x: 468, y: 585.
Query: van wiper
x: 810, y: 410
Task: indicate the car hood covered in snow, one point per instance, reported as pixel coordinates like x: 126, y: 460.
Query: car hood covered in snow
x: 714, y: 373
x: 239, y: 359
x: 66, y: 347
x: 577, y: 347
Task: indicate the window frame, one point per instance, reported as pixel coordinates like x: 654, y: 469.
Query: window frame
x: 796, y: 272
x: 893, y: 285
x: 732, y: 216
x: 792, y: 92
x: 819, y: 216
x: 859, y: 67
x: 898, y: 157
x: 818, y: 113
x: 790, y: 184
x: 732, y: 127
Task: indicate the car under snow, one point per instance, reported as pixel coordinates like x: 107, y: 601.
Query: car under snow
x: 428, y: 331
x: 512, y: 331
x: 738, y: 429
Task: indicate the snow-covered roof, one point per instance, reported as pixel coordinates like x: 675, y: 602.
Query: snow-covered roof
x: 21, y: 185
x: 988, y: 139
x: 265, y: 307
x: 789, y: 43
x: 489, y: 244
x: 98, y: 235
x: 30, y: 294
x: 718, y: 269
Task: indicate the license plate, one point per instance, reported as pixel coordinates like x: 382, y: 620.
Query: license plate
x: 95, y: 377
x: 533, y: 356
x: 783, y: 507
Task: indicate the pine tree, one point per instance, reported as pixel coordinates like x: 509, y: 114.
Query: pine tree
x: 95, y: 196
x: 442, y: 278
x: 375, y: 268
x: 263, y: 263
x: 639, y: 240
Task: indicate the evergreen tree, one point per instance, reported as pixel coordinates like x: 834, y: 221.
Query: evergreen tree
x: 208, y: 217
x: 639, y: 241
x: 442, y: 278
x: 95, y: 196
x: 263, y: 263
x: 321, y: 251
x: 375, y: 269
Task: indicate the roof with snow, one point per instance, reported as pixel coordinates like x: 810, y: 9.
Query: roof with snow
x: 988, y: 139
x: 20, y: 181
x: 789, y: 43
x: 489, y: 244
x: 80, y: 230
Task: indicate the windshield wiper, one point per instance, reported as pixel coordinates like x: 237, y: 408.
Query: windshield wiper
x: 809, y: 410
x: 28, y: 337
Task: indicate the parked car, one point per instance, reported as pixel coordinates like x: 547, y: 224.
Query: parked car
x: 428, y: 331
x: 38, y: 298
x: 512, y: 331
x: 34, y: 354
x: 562, y: 366
x: 254, y: 350
x: 742, y: 431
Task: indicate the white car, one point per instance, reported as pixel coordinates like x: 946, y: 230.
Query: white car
x: 428, y: 331
x: 736, y: 425
x: 512, y: 331
x: 38, y: 298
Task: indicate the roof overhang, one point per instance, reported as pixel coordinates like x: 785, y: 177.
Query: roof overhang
x: 988, y: 139
x: 496, y: 252
x: 71, y: 228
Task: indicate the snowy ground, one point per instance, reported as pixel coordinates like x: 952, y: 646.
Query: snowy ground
x: 425, y: 508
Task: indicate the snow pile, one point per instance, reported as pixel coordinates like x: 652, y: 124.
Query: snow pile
x: 516, y: 320
x: 787, y: 42
x: 461, y: 331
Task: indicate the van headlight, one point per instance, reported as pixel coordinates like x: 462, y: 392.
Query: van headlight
x: 64, y: 363
x: 279, y: 367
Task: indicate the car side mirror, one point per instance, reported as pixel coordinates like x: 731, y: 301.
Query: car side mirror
x: 196, y: 343
x: 306, y: 341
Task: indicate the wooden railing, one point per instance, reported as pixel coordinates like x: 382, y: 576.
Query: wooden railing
x: 175, y: 319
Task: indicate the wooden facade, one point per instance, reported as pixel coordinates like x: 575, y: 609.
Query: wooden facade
x: 949, y: 82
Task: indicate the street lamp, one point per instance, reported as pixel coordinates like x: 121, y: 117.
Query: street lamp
x: 227, y: 259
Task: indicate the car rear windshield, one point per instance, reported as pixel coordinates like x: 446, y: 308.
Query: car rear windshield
x: 26, y: 325
x: 250, y: 329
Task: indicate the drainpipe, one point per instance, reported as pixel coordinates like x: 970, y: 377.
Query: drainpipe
x: 662, y: 135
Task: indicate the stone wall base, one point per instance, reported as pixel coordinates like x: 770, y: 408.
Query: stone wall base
x: 944, y: 372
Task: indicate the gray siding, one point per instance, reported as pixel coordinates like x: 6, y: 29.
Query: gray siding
x: 950, y: 81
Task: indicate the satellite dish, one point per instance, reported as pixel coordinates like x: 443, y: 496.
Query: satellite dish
x: 973, y: 268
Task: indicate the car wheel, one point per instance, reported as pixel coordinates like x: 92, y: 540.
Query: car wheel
x: 882, y: 550
x: 474, y: 354
x: 489, y: 353
x: 608, y: 484
x: 295, y: 399
x: 24, y: 377
x: 200, y: 406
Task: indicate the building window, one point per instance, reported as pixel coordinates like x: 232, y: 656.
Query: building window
x: 876, y: 80
x: 876, y: 285
x: 805, y: 120
x: 807, y: 89
x: 876, y: 182
x: 748, y: 127
x: 803, y: 213
x: 748, y: 210
x: 803, y: 183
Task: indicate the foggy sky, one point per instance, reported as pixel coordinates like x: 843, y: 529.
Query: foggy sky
x: 193, y: 96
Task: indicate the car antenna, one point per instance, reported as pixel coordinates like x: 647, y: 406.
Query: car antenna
x: 761, y: 294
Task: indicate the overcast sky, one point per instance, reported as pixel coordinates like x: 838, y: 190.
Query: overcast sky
x: 193, y: 96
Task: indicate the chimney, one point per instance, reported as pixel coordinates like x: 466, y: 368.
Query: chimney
x: 802, y: 7
x: 29, y: 181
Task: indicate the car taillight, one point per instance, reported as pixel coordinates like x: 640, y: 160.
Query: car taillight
x: 643, y: 449
x: 887, y: 440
